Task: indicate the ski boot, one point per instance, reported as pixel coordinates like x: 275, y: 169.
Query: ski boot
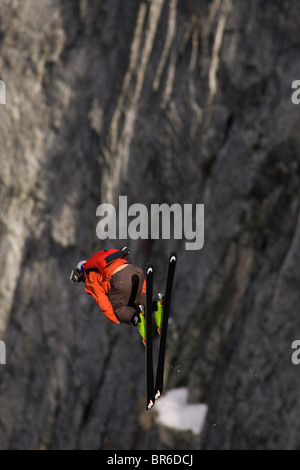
x: 138, y: 320
x: 158, y: 309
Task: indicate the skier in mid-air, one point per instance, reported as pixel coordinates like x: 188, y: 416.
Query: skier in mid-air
x: 117, y: 286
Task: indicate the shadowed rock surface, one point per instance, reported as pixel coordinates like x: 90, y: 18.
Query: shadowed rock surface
x: 164, y: 101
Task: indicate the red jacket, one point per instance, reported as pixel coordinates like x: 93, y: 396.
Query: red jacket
x: 97, y: 286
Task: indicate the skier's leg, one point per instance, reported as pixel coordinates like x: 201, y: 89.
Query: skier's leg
x: 158, y: 309
x: 139, y: 293
x: 125, y: 314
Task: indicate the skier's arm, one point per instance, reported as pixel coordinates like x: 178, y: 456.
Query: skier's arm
x: 94, y: 288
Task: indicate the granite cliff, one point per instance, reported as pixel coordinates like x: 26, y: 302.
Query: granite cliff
x: 164, y: 101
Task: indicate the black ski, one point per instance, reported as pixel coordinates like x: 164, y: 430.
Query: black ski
x: 148, y: 344
x: 164, y: 327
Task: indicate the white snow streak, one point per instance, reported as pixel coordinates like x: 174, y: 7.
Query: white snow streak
x: 175, y: 412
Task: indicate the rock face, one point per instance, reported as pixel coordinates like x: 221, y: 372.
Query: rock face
x: 164, y: 101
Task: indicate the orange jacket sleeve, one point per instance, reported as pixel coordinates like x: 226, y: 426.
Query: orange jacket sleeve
x: 94, y: 287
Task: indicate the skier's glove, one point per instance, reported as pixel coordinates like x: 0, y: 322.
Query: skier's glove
x: 136, y: 318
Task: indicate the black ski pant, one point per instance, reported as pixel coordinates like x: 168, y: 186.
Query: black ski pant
x: 125, y: 293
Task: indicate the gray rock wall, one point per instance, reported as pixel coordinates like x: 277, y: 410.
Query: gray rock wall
x: 171, y: 101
